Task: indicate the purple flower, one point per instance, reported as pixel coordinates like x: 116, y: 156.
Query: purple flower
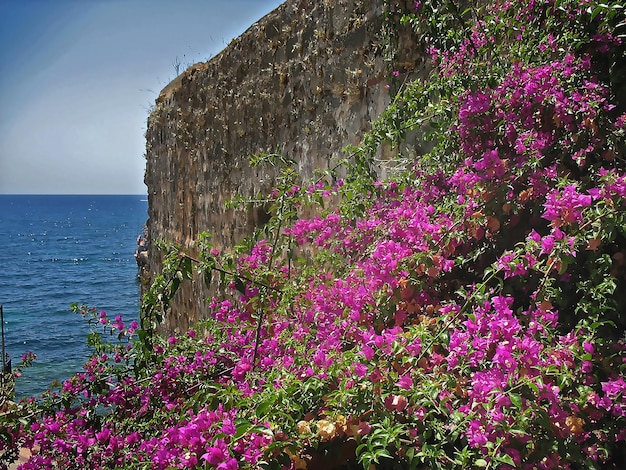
x: 214, y: 456
x: 565, y: 206
x: 360, y: 370
x: 230, y: 464
x: 405, y: 382
x: 367, y: 351
x: 476, y: 435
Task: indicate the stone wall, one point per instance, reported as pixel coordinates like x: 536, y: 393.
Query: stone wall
x: 304, y: 81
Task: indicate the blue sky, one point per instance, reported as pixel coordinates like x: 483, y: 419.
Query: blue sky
x: 77, y: 78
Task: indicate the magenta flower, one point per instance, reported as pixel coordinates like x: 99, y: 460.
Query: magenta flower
x: 565, y: 206
x: 476, y: 435
x: 367, y: 351
x: 214, y: 456
x: 230, y: 464
x: 405, y: 382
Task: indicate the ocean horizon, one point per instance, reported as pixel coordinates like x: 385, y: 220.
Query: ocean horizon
x: 60, y: 249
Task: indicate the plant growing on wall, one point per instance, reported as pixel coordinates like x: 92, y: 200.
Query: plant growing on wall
x: 466, y: 312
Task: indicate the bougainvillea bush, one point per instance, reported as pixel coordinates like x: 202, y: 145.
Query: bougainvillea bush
x: 468, y: 310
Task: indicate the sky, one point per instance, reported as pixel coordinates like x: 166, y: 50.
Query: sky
x: 78, y: 77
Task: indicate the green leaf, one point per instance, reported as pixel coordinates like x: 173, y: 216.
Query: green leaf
x: 240, y: 285
x: 480, y: 463
x: 243, y: 428
x: 532, y: 389
x: 360, y: 449
x: 543, y: 419
x: 175, y: 286
x: 506, y: 459
x: 263, y: 407
x: 186, y: 267
x: 381, y: 453
x: 141, y: 334
x: 596, y: 11
x: 516, y: 400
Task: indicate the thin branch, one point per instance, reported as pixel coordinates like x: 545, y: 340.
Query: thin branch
x: 230, y: 273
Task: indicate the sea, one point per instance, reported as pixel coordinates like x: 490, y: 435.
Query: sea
x: 57, y: 250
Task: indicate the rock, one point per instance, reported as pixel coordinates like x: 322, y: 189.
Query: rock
x: 304, y: 81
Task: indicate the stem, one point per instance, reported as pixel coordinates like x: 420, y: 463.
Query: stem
x: 259, y: 324
x: 230, y: 273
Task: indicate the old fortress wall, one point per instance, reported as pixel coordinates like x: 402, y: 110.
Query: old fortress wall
x: 304, y: 81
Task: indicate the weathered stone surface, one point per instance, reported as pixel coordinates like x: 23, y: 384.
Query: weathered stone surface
x: 304, y: 81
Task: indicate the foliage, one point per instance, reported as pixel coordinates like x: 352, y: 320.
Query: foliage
x: 466, y: 312
x: 10, y: 412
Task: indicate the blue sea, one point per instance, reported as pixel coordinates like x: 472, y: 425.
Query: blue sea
x: 57, y: 250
